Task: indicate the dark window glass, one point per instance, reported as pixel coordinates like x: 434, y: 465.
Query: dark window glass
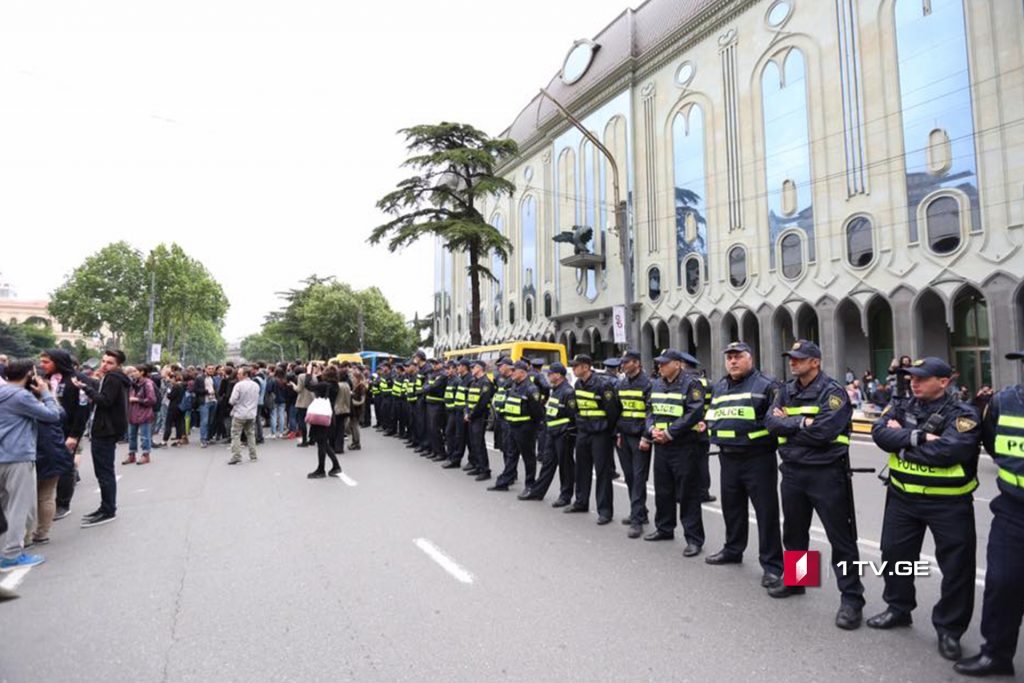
x: 654, y: 283
x: 528, y: 308
x: 511, y: 313
x: 692, y: 271
x: 859, y: 242
x: 792, y: 256
x: 943, y: 217
x: 547, y: 305
x: 737, y: 267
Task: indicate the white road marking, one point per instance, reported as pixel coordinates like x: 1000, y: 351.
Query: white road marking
x: 13, y: 578
x: 447, y: 563
x: 348, y: 480
x: 97, y: 490
x: 141, y: 490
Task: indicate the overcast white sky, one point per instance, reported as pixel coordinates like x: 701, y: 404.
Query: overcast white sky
x: 258, y: 135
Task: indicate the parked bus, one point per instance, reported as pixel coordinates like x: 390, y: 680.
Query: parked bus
x: 515, y: 350
x: 369, y: 359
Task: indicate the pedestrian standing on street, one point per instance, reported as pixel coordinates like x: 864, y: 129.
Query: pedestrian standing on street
x: 633, y: 391
x: 597, y: 413
x: 303, y: 397
x: 58, y: 369
x: 25, y: 400
x: 244, y: 402
x: 933, y: 442
x: 559, y: 446
x: 326, y: 387
x: 109, y: 425
x: 675, y: 411
x: 749, y: 469
x: 206, y: 397
x: 811, y: 419
x: 342, y: 408
x: 524, y: 412
x: 53, y: 459
x: 360, y: 406
x: 479, y: 394
x: 141, y: 400
x: 1002, y: 432
x: 175, y: 415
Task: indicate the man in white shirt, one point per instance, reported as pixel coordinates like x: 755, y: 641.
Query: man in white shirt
x: 244, y: 401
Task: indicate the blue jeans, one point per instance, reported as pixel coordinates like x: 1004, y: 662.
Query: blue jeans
x: 293, y: 418
x: 144, y: 430
x: 278, y: 422
x: 206, y: 412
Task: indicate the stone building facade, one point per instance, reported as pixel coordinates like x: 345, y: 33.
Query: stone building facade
x: 850, y: 171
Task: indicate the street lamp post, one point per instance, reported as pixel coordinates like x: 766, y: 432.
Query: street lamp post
x: 621, y: 228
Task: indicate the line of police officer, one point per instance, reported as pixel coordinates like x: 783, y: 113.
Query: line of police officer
x: 933, y: 441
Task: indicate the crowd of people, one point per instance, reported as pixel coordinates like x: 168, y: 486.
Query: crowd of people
x: 666, y: 421
x: 871, y: 394
x: 50, y: 404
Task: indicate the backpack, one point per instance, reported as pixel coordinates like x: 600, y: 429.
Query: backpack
x: 185, y: 405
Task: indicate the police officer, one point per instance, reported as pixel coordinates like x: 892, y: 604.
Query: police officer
x: 675, y: 411
x: 384, y: 397
x: 560, y: 425
x: 633, y: 390
x: 479, y: 394
x: 502, y: 380
x: 1002, y: 432
x: 739, y: 403
x: 811, y: 419
x: 539, y: 378
x: 454, y: 430
x: 933, y: 445
x: 398, y: 402
x: 690, y: 364
x: 523, y: 413
x: 597, y: 412
x: 433, y: 393
x: 420, y: 437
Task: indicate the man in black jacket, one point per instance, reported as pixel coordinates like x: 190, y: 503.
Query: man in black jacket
x: 109, y: 423
x: 59, y: 369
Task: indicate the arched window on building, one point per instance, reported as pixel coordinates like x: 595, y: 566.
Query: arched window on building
x: 792, y: 256
x: 691, y: 270
x: 654, y: 283
x: 737, y: 266
x: 972, y: 352
x: 511, y: 312
x: 547, y: 305
x: 943, y: 218
x: 860, y: 250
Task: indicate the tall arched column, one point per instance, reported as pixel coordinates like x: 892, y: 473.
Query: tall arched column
x: 831, y: 362
x: 903, y: 329
x: 999, y: 291
x: 767, y: 333
x: 716, y: 366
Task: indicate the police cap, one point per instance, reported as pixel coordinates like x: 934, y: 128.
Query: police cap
x: 928, y: 367
x: 802, y: 348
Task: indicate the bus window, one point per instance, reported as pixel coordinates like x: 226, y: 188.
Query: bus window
x: 549, y: 355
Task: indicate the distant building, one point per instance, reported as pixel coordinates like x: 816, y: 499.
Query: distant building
x: 15, y: 311
x: 848, y: 171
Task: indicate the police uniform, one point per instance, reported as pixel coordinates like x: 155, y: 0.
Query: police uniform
x: 479, y: 394
x: 501, y: 385
x: 597, y: 412
x: 1002, y: 432
x: 676, y: 407
x: 454, y: 405
x: 560, y: 426
x: 391, y: 410
x: 816, y: 476
x: 541, y: 381
x: 632, y: 393
x: 433, y: 395
x: 929, y: 488
x: 523, y: 413
x: 746, y: 455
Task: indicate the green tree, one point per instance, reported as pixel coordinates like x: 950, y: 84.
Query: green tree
x: 40, y: 337
x: 14, y: 342
x: 186, y: 295
x: 107, y: 290
x: 204, y: 344
x: 455, y: 170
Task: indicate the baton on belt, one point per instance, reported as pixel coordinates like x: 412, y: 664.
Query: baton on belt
x: 850, y: 471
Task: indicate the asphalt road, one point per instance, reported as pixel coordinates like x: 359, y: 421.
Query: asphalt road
x: 404, y: 571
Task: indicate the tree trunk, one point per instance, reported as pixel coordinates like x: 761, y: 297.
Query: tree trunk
x: 474, y: 315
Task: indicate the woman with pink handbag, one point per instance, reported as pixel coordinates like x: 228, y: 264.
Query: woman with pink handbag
x: 319, y: 417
